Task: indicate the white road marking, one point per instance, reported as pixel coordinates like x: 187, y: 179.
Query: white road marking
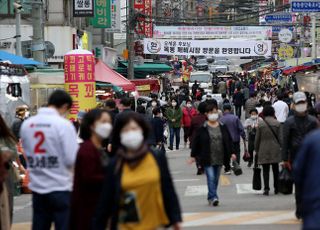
x: 270, y: 219
x: 186, y: 180
x: 219, y: 217
x: 19, y: 208
x: 199, y: 190
x: 246, y: 189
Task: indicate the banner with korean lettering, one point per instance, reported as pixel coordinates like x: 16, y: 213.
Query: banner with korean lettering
x: 102, y: 14
x: 144, y: 24
x: 80, y: 80
x: 83, y: 8
x: 220, y: 47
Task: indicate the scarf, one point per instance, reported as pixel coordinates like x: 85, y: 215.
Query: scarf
x: 132, y: 160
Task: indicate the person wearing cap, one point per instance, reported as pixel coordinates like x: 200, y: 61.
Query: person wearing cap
x: 295, y: 129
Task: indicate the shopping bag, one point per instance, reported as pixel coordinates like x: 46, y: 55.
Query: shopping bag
x: 256, y: 180
x: 285, y: 181
x: 237, y: 170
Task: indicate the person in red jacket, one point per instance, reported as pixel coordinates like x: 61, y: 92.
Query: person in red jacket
x: 188, y: 113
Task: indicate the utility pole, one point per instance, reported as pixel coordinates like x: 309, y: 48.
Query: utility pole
x: 17, y: 8
x: 38, y: 47
x: 130, y: 37
x: 313, y: 36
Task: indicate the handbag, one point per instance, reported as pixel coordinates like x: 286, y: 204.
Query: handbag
x: 285, y: 182
x: 256, y: 180
x: 237, y: 170
x: 246, y: 156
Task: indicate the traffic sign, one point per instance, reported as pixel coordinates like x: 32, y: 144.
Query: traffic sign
x: 285, y: 35
x: 278, y: 18
x: 285, y: 51
x: 305, y: 6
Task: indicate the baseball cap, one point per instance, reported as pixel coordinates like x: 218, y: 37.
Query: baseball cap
x: 299, y: 97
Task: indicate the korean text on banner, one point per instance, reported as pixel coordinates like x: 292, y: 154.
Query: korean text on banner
x: 102, y: 14
x: 223, y: 47
x: 80, y: 82
x: 144, y: 25
x: 83, y: 8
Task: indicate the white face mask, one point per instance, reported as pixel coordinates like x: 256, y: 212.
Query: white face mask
x: 189, y: 105
x: 132, y: 139
x: 254, y: 116
x: 174, y: 104
x: 103, y: 130
x: 301, y: 108
x: 213, y: 116
x: 154, y: 104
x: 27, y: 114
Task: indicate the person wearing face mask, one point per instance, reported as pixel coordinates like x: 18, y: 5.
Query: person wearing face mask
x: 90, y: 168
x: 154, y: 104
x: 188, y: 113
x: 138, y: 191
x: 295, y: 129
x: 251, y: 124
x: 50, y: 144
x: 212, y: 146
x: 174, y: 116
x: 22, y: 113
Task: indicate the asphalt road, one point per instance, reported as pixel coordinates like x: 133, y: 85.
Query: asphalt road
x: 240, y: 207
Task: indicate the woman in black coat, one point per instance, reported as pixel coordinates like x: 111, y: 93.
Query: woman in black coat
x: 138, y: 191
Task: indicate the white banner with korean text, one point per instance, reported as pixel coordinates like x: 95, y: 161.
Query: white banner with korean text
x: 222, y: 48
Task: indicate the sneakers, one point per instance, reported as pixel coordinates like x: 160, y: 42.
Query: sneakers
x: 170, y: 148
x: 214, y: 202
x: 227, y: 172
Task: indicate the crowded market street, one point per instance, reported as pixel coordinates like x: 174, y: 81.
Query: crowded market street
x: 241, y: 208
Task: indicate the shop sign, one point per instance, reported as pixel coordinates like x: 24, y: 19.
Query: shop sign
x: 144, y: 24
x: 102, y: 14
x: 143, y: 87
x: 80, y: 81
x: 305, y: 6
x: 285, y: 51
x: 231, y: 47
x: 285, y: 35
x: 212, y: 32
x: 83, y: 8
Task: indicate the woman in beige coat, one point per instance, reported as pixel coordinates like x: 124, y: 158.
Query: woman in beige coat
x: 268, y: 147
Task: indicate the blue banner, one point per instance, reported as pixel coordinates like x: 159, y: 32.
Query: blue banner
x: 276, y: 18
x: 305, y: 6
x: 276, y: 29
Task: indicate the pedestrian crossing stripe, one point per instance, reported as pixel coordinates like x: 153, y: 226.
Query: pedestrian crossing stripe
x: 239, y: 218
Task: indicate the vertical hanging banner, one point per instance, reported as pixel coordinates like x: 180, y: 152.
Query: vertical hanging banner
x: 80, y: 81
x: 83, y: 8
x: 115, y: 16
x: 144, y: 24
x: 102, y: 14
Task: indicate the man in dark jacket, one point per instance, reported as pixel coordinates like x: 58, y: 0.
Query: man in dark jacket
x: 157, y: 125
x: 295, y: 129
x: 111, y: 107
x: 212, y: 146
x: 306, y: 175
x: 238, y: 101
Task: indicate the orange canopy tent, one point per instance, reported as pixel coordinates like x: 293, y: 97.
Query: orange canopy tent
x: 104, y: 73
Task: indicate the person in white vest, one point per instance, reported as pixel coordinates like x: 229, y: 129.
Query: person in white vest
x: 50, y: 144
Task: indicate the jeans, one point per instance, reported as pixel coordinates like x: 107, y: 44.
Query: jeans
x: 236, y: 150
x: 238, y: 110
x: 51, y: 207
x: 213, y: 174
x: 266, y: 174
x: 175, y: 132
x: 311, y: 221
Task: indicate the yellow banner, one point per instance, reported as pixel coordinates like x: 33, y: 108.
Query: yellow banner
x: 143, y: 87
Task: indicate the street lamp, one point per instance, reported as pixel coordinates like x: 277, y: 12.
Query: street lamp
x: 18, y: 8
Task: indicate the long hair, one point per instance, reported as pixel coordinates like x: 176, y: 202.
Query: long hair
x: 5, y: 132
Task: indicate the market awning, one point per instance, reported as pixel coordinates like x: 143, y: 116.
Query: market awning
x: 103, y: 73
x: 17, y: 60
x: 141, y: 71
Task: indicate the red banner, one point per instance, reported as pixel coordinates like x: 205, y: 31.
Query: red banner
x: 144, y: 24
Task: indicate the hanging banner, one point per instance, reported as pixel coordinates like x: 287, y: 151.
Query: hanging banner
x: 305, y: 6
x: 144, y: 25
x: 212, y: 32
x: 83, y: 8
x: 115, y: 17
x: 224, y: 47
x: 80, y: 81
x: 102, y: 14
